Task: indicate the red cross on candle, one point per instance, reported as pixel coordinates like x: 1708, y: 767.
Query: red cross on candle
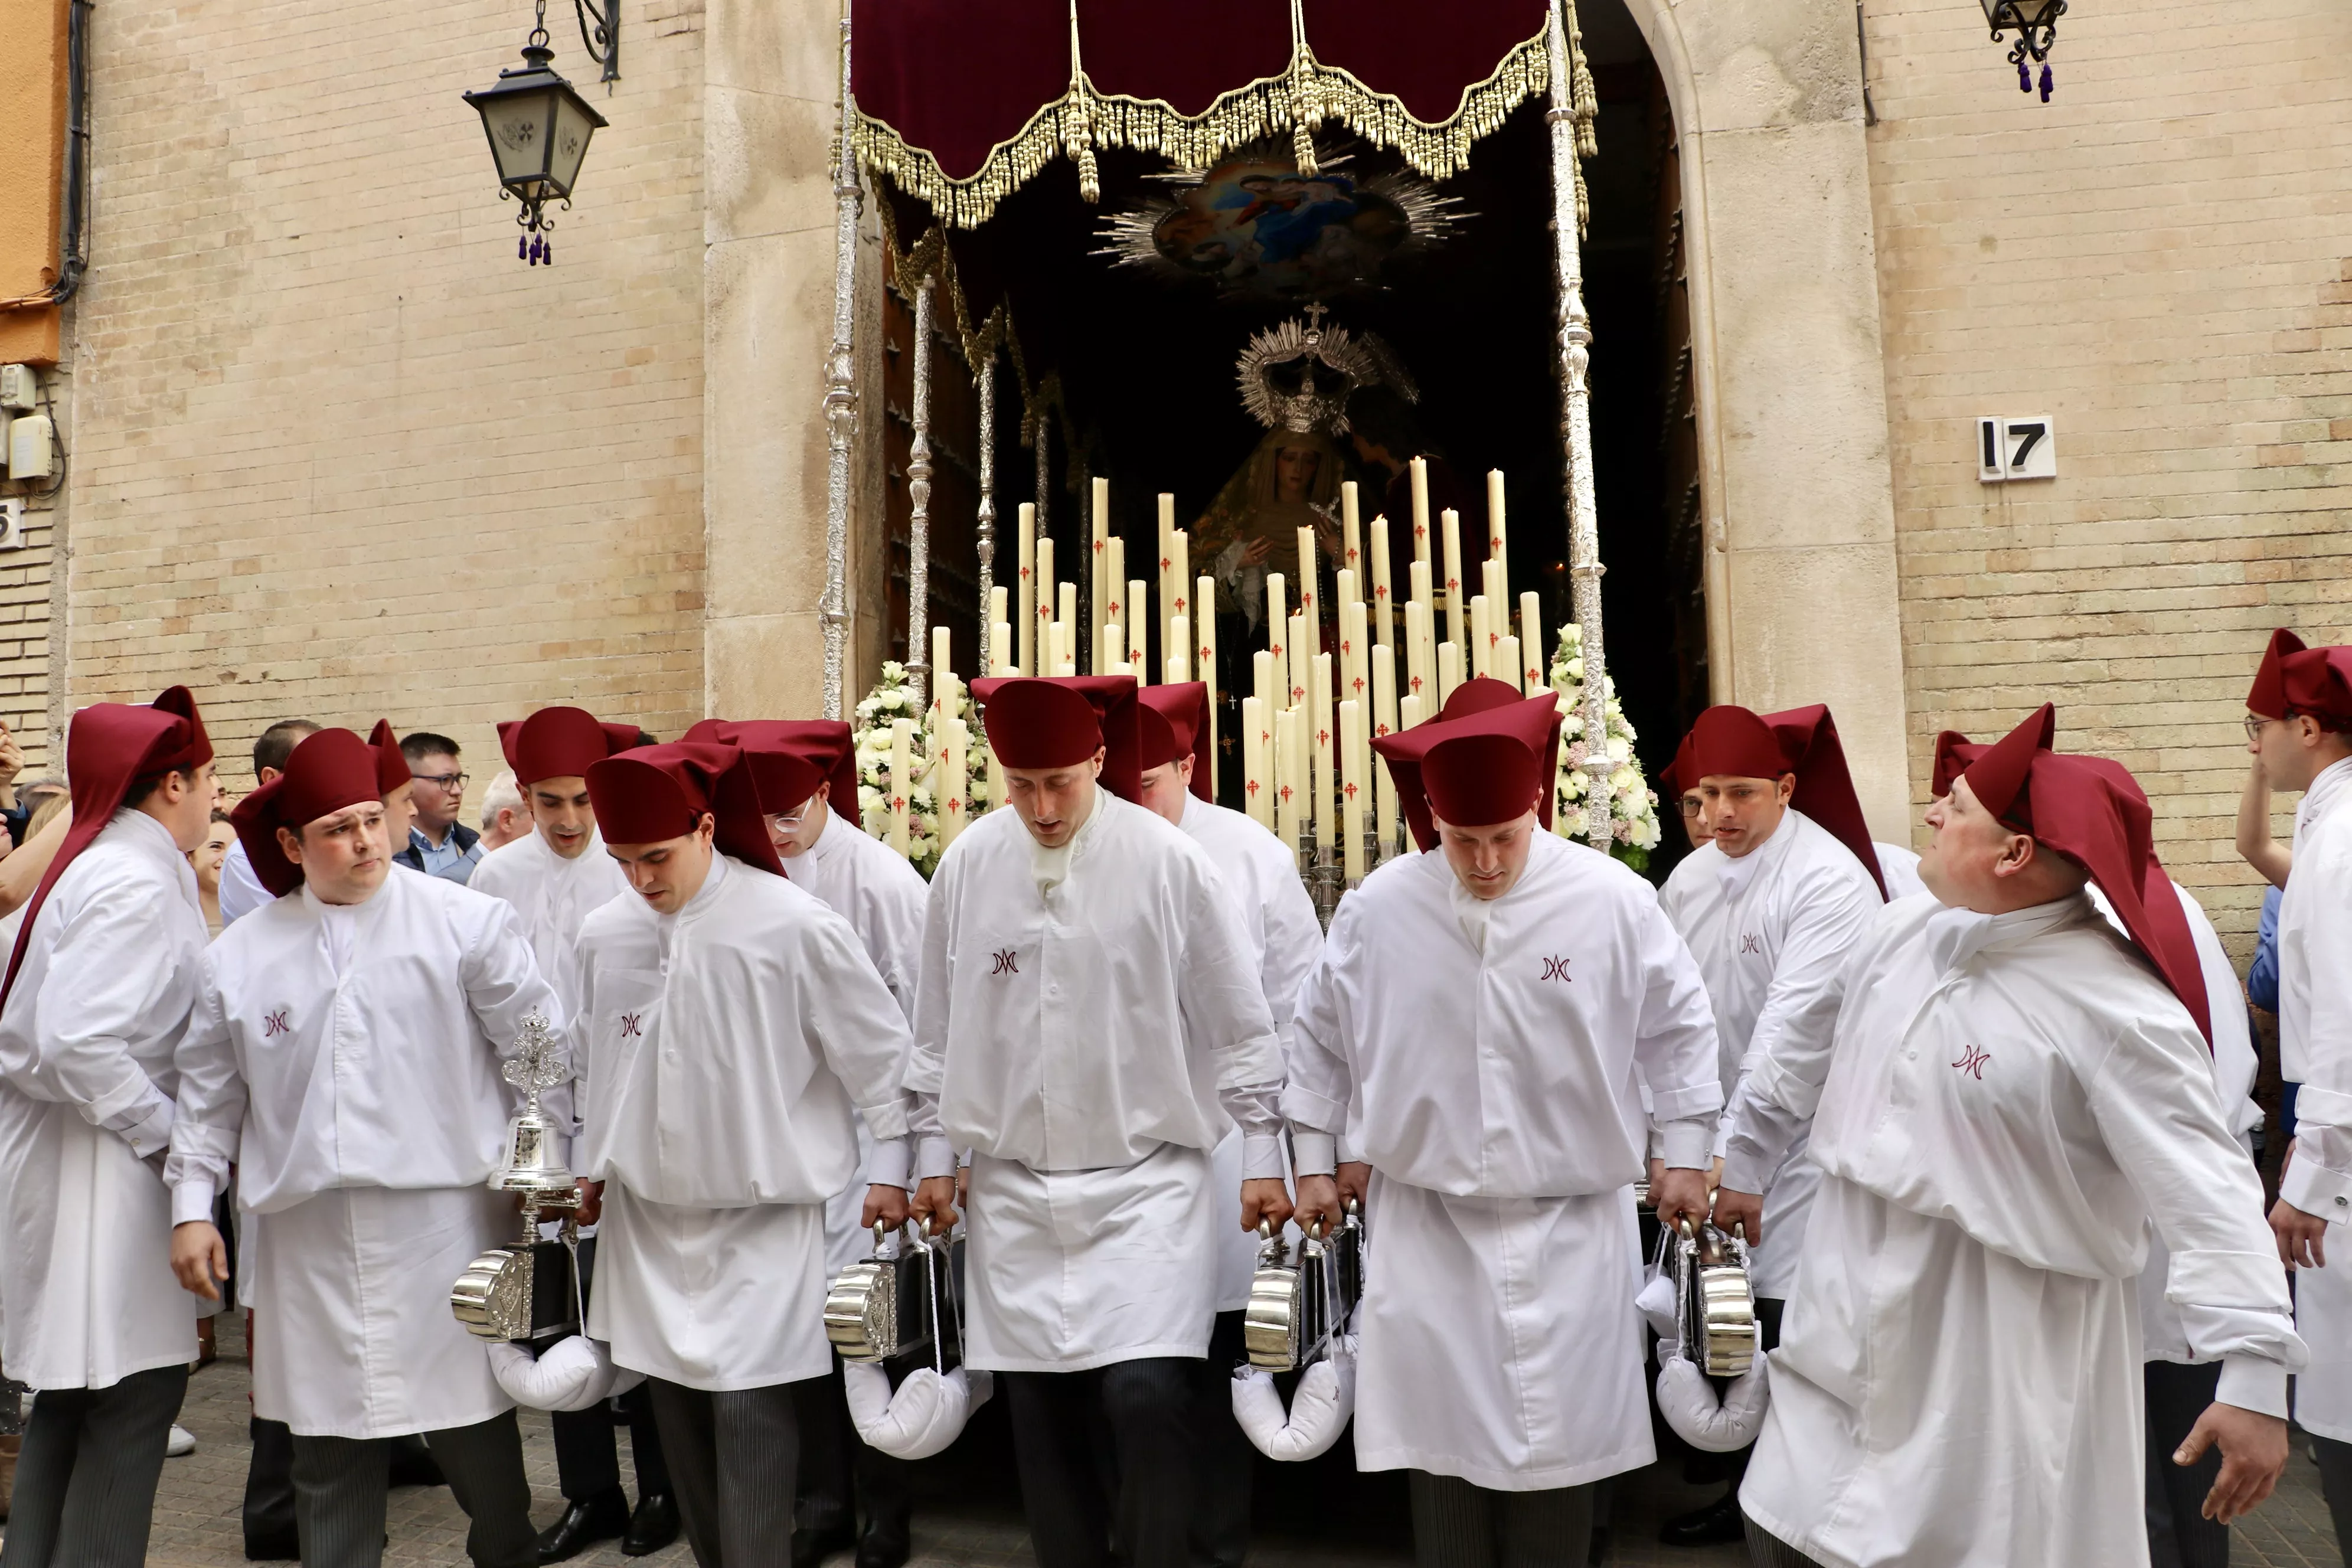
x: 1252, y: 786
x: 1307, y: 599
x: 1264, y: 736
x: 1180, y: 605
x: 1416, y: 686
x: 1421, y: 530
x: 1114, y: 611
x: 1359, y: 688
x: 1322, y: 737
x: 1492, y: 638
x: 1297, y: 694
x: 1349, y: 791
x: 1166, y: 563
x: 897, y: 802
x: 1275, y: 651
x: 1451, y: 585
x: 955, y: 805
x: 1286, y: 795
x: 1099, y: 543
x: 1379, y: 729
x: 1025, y: 571
x: 1352, y: 554
x: 1206, y: 652
x: 1379, y: 591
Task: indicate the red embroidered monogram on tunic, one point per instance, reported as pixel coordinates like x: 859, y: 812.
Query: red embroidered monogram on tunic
x: 1750, y: 943
x: 1557, y: 969
x: 1972, y: 1062
x: 1007, y: 963
x: 276, y: 1023
x: 629, y: 1029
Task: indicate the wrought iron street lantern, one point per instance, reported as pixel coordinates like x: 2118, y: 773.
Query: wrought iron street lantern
x: 2036, y: 21
x: 538, y: 129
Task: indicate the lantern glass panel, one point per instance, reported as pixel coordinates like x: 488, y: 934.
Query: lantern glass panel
x: 2017, y: 13
x: 518, y: 126
x: 575, y: 123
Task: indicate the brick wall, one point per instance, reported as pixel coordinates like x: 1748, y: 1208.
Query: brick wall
x: 2161, y: 258
x: 338, y: 452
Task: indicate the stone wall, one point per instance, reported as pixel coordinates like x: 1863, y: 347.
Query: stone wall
x: 2160, y: 258
x: 336, y: 450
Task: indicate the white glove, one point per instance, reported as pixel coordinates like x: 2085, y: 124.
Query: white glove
x: 572, y: 1375
x: 1656, y: 1304
x: 1320, y: 1406
x: 923, y: 1417
x: 1687, y: 1400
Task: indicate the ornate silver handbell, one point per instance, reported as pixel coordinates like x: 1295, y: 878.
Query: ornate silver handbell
x: 1715, y: 1307
x: 1272, y: 1321
x: 531, y: 1288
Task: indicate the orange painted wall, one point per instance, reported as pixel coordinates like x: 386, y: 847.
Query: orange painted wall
x: 33, y: 99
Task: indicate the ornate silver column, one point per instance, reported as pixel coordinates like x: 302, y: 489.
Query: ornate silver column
x: 984, y: 376
x: 919, y: 496
x: 1584, y: 568
x: 840, y: 397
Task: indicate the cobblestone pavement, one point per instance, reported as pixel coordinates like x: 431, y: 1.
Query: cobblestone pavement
x: 968, y: 1515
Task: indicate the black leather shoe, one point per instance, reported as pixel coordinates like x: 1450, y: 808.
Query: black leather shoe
x: 654, y: 1526
x: 885, y: 1543
x: 582, y: 1524
x: 272, y: 1546
x: 1714, y: 1525
x: 811, y: 1547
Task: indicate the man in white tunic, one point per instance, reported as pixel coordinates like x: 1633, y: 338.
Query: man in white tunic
x: 2299, y: 726
x: 1090, y: 1018
x: 1770, y: 907
x: 100, y: 982
x: 1278, y: 919
x: 733, y: 1024
x: 799, y: 767
x: 556, y: 876
x: 344, y: 1055
x: 1482, y: 1022
x: 2007, y: 1096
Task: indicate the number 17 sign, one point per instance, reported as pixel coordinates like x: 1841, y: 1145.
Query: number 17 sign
x: 2016, y: 448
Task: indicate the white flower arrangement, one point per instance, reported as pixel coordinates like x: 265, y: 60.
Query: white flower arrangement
x: 870, y: 733
x: 1632, y: 805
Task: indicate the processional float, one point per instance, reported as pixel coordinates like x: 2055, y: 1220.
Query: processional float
x: 1072, y: 78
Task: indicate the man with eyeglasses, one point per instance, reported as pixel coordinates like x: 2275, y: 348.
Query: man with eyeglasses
x: 438, y: 844
x: 798, y: 768
x: 1787, y: 883
x: 2299, y: 729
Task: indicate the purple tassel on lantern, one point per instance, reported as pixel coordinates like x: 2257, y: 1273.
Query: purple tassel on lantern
x: 2045, y: 83
x: 523, y: 248
x: 2024, y: 77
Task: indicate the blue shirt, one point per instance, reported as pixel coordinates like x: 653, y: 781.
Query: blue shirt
x: 2262, y: 980
x: 453, y: 861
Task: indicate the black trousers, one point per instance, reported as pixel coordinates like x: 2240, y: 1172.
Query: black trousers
x: 87, y: 1471
x: 1224, y: 1462
x: 837, y: 1470
x: 342, y: 1484
x: 732, y: 1458
x: 2336, y: 1486
x: 1766, y: 1550
x: 1105, y: 1453
x: 2179, y: 1533
x: 587, y: 1452
x: 1458, y: 1525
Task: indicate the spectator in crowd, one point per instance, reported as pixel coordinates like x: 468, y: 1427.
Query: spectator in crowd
x: 505, y: 818
x: 241, y: 892
x: 208, y: 859
x: 13, y: 811
x: 29, y: 802
x: 438, y: 844
x: 2272, y: 859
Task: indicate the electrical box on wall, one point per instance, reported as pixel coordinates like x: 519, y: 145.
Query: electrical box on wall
x: 2017, y: 447
x: 20, y: 386
x: 11, y: 523
x: 32, y: 447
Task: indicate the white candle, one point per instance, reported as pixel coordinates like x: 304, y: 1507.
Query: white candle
x: 996, y: 612
x: 1383, y: 591
x: 1286, y: 795
x: 959, y: 773
x: 1384, y: 723
x: 1300, y: 660
x: 1351, y: 531
x: 1531, y: 646
x: 1180, y: 573
x: 1355, y: 666
x: 1496, y: 549
x: 1066, y: 612
x: 1351, y: 789
x: 1455, y: 606
x: 1262, y: 679
x: 1449, y: 671
x: 1098, y: 553
x: 1408, y: 711
x: 1505, y: 665
x: 1166, y: 560
x: 902, y: 780
x: 1115, y: 589
x: 1113, y: 649
x: 1325, y: 783
x: 1420, y: 654
x: 1309, y: 603
x: 1482, y: 636
x: 1037, y: 650
x: 1024, y: 655
x: 1000, y: 647
x: 1422, y: 594
x: 1204, y: 641
x: 1277, y: 627
x: 1421, y: 510
x: 1257, y: 739
x: 1139, y: 625
x: 1179, y: 649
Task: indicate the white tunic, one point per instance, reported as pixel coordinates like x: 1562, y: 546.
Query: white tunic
x: 1899, y: 868
x: 87, y: 1087
x: 1770, y: 931
x: 2001, y: 1108
x: 1089, y: 1020
x: 1277, y: 920
x: 346, y: 1059
x: 552, y: 897
x: 727, y: 1046
x: 2315, y: 969
x: 1486, y: 1055
x: 882, y: 896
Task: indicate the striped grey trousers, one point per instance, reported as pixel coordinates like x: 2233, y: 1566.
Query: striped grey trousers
x: 341, y: 1485
x: 1766, y: 1550
x: 86, y: 1476
x: 734, y: 1458
x: 1458, y: 1525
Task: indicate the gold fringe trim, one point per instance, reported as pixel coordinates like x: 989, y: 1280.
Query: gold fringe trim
x: 1305, y: 96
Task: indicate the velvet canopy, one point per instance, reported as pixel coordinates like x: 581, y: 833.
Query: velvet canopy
x: 962, y: 103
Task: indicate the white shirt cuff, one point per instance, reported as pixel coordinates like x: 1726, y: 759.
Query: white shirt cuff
x: 887, y: 1166
x: 1260, y: 1156
x: 1313, y: 1153
x: 934, y: 1156
x: 192, y: 1199
x: 1689, y: 1144
x: 2252, y: 1384
x: 2316, y: 1190
x: 151, y: 1134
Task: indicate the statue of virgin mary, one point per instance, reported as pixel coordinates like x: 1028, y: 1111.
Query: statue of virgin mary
x: 1291, y: 481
